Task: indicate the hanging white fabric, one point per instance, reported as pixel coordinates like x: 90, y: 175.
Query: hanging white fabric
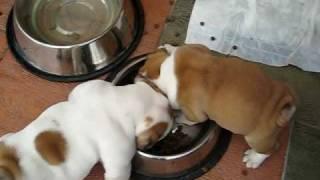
x: 274, y: 32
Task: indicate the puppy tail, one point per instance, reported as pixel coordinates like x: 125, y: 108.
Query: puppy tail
x: 287, y: 105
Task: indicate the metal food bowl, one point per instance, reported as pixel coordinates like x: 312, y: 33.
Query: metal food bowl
x: 73, y: 40
x: 186, y: 153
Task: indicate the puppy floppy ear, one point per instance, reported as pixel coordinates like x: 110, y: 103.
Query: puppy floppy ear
x: 151, y: 68
x: 152, y: 135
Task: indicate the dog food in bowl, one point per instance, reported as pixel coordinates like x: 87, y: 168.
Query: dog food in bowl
x: 173, y: 144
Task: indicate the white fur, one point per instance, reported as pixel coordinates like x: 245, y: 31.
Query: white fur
x: 167, y: 80
x: 170, y: 49
x: 99, y: 122
x: 288, y: 113
x: 254, y: 159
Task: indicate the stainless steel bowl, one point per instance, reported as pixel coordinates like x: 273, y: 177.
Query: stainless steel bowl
x: 73, y: 37
x: 187, y: 152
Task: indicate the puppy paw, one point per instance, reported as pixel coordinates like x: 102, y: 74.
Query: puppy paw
x: 182, y: 119
x: 253, y: 159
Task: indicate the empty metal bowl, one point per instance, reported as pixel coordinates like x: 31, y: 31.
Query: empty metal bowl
x: 71, y: 38
x: 186, y: 153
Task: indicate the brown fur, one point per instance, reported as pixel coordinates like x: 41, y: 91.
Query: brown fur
x: 9, y: 163
x: 234, y: 93
x: 149, y: 137
x: 52, y: 147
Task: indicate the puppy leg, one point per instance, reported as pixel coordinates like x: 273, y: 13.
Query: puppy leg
x: 191, y: 105
x: 261, y: 150
x: 116, y: 158
x: 117, y: 171
x: 182, y: 119
x: 193, y: 114
x: 122, y: 173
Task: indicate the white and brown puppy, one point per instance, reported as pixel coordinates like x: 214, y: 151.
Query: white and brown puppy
x: 99, y: 122
x: 234, y: 93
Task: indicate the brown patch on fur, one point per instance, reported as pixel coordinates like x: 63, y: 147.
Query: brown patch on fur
x: 51, y: 145
x: 9, y: 163
x: 149, y: 137
x: 153, y: 64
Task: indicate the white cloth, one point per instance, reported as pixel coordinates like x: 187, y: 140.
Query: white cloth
x: 274, y: 32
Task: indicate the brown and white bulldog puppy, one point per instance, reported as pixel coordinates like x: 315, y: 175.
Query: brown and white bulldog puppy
x: 98, y: 122
x: 234, y: 93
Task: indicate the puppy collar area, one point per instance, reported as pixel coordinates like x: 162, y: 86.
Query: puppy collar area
x: 151, y: 84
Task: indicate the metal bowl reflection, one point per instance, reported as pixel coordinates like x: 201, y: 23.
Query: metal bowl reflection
x: 63, y: 40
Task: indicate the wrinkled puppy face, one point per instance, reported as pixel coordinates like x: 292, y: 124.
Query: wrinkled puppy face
x: 151, y: 68
x: 153, y: 131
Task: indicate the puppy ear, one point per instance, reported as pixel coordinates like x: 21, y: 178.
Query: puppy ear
x: 151, y: 68
x: 5, y: 174
x: 150, y: 136
x: 286, y: 114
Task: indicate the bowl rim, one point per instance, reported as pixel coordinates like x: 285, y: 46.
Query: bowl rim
x: 56, y: 46
x: 127, y: 67
x: 203, y: 140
